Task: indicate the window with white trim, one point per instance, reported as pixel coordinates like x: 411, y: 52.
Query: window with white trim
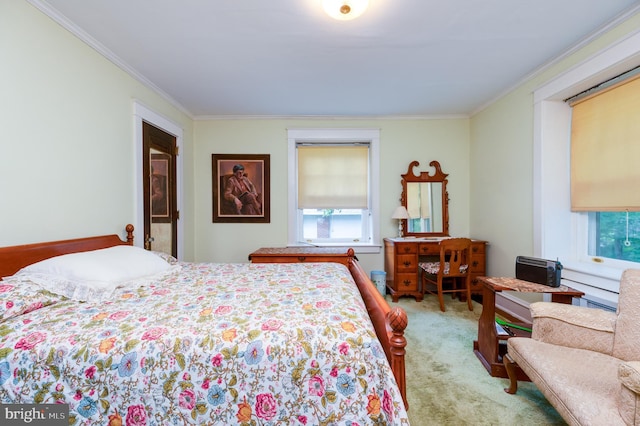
x: 559, y: 232
x: 333, y: 187
x: 605, y: 132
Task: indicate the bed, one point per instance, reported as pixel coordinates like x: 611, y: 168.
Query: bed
x: 204, y: 344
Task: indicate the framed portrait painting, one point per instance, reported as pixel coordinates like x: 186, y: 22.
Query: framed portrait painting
x: 241, y: 188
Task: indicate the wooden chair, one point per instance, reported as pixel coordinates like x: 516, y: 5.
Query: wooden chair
x: 451, y: 270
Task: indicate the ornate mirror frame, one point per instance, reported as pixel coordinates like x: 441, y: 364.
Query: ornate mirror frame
x: 425, y: 177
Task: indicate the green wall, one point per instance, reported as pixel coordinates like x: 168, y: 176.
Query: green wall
x: 67, y: 146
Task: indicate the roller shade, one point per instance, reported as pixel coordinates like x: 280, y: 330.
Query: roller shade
x: 333, y: 177
x: 605, y: 149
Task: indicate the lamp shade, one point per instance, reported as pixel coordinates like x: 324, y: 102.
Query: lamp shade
x: 345, y: 10
x: 400, y: 213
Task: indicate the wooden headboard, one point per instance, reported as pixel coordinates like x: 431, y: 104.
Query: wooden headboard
x: 13, y: 258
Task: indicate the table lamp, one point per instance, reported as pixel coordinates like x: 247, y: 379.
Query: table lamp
x: 400, y: 213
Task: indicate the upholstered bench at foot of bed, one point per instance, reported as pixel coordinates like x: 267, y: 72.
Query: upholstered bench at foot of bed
x: 582, y: 385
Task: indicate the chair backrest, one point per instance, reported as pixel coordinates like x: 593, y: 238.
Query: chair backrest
x: 626, y: 340
x: 455, y: 252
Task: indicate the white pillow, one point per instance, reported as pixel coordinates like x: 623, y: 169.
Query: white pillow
x: 94, y: 275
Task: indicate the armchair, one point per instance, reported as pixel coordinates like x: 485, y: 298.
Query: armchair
x: 585, y: 361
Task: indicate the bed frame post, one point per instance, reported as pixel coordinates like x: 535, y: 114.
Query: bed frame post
x: 129, y: 229
x: 397, y: 319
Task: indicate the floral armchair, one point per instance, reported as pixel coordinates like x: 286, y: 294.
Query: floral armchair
x: 585, y: 361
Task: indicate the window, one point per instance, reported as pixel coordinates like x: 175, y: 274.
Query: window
x: 604, y: 172
x: 559, y: 232
x: 614, y: 235
x: 333, y: 187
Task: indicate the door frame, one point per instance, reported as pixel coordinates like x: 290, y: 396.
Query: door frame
x: 142, y: 113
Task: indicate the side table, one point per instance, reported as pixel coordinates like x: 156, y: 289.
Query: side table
x: 490, y: 347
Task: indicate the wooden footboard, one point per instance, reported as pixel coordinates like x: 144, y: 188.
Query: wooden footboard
x: 389, y: 323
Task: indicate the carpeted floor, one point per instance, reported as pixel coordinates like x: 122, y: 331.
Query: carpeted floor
x: 447, y: 384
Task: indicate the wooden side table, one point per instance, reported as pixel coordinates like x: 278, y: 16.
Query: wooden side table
x: 490, y: 347
x: 302, y: 254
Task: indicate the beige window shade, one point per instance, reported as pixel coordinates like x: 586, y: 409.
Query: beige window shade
x: 333, y: 177
x: 605, y: 150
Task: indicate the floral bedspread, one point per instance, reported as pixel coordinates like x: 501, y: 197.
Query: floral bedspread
x: 215, y: 344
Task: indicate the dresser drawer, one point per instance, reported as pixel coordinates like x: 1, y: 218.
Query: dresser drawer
x: 406, y: 263
x: 406, y: 282
x: 406, y: 248
x: 477, y: 264
x: 478, y: 259
x: 476, y: 286
x: 478, y: 248
x: 429, y: 249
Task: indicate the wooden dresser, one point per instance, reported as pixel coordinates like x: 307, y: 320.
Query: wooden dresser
x: 401, y: 258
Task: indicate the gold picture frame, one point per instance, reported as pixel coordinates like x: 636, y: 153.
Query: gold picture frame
x: 241, y: 192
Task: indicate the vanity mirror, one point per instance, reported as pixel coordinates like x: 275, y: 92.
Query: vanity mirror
x: 426, y: 199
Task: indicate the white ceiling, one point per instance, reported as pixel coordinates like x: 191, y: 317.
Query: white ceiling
x: 405, y: 58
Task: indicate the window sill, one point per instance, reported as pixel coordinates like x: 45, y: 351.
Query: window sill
x: 594, y: 280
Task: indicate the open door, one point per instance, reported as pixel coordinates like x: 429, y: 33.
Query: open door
x: 160, y: 190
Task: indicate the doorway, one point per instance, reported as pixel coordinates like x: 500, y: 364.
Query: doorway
x: 161, y: 213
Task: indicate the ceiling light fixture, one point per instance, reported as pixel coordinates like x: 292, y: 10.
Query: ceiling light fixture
x: 344, y: 10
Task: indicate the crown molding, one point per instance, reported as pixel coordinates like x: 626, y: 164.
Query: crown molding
x: 70, y: 26
x: 622, y: 17
x: 331, y: 117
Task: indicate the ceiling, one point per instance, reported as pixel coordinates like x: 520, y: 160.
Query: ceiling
x: 402, y: 58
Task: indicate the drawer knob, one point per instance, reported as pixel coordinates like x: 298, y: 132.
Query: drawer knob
x: 406, y: 263
x: 302, y: 258
x: 406, y: 283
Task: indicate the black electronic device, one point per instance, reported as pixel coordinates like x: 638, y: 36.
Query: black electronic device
x: 540, y: 271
